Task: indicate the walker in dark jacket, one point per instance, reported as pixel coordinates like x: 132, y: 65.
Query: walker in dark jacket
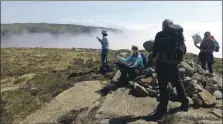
x: 207, y: 48
x: 166, y: 72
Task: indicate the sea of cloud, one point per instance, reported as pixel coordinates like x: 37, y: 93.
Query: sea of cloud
x: 134, y: 33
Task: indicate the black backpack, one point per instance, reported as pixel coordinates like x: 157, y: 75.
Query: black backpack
x: 175, y: 47
x: 145, y: 60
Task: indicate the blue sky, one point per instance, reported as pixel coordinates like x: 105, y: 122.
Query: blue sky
x: 144, y: 17
x: 142, y: 11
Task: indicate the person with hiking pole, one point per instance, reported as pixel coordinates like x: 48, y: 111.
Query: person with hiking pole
x: 169, y: 50
x: 105, y: 47
x: 207, y: 47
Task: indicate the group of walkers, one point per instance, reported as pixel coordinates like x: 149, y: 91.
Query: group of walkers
x: 168, y: 52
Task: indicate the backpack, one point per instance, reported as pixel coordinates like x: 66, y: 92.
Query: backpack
x: 145, y: 60
x: 175, y: 47
x: 217, y: 47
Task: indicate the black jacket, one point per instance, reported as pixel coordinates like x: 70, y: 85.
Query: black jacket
x: 161, y: 45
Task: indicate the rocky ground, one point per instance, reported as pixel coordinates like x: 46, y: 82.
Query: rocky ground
x: 70, y: 92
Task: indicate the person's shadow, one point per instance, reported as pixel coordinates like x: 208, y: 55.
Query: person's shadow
x: 111, y: 87
x: 150, y: 118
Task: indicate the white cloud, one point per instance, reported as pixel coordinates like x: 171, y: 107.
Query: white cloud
x: 134, y: 33
x: 137, y: 33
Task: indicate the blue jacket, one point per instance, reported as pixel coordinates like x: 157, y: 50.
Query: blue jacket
x: 104, y: 42
x: 137, y: 61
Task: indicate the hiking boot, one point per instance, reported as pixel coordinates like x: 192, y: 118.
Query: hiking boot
x: 156, y: 116
x: 184, y: 107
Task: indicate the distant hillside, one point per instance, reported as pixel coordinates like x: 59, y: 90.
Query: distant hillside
x: 17, y: 28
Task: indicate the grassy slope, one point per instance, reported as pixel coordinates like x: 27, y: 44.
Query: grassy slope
x: 51, y: 68
x: 49, y: 28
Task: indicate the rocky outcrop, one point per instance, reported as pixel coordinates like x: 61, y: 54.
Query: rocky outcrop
x: 138, y: 99
x: 207, y: 99
x: 201, y: 87
x: 140, y: 90
x: 188, y: 69
x: 82, y: 95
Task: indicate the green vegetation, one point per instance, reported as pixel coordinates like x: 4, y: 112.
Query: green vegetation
x: 50, y: 69
x: 39, y: 74
x: 17, y: 28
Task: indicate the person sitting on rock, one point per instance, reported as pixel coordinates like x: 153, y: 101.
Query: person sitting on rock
x: 134, y: 66
x: 205, y: 55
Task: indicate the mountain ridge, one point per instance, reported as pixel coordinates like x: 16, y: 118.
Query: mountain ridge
x: 53, y: 28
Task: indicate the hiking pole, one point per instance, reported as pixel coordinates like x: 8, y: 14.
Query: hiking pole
x: 154, y: 62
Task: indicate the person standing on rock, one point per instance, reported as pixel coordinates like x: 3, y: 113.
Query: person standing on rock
x: 169, y: 50
x: 105, y: 46
x: 207, y: 48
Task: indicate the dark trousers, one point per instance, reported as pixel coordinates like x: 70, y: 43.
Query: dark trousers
x: 104, y: 57
x: 126, y: 70
x: 206, y: 57
x: 165, y: 73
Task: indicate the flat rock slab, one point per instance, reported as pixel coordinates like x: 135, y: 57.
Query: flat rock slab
x: 8, y: 84
x: 120, y: 103
x: 217, y: 112
x: 207, y: 99
x: 189, y: 70
x: 82, y: 95
x: 190, y: 117
x: 140, y: 90
x: 9, y: 88
x: 209, y: 122
x: 195, y: 115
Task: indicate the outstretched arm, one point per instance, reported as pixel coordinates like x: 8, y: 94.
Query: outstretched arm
x: 99, y: 40
x: 197, y: 46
